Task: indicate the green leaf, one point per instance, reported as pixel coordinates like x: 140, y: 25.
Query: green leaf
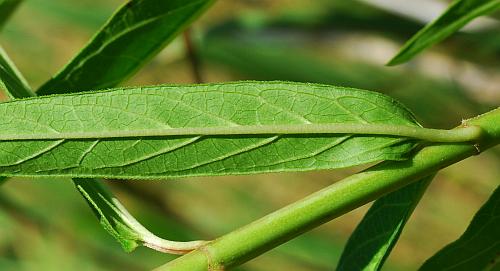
x: 7, y: 7
x: 121, y: 224
x: 478, y: 248
x: 134, y: 34
x: 145, y: 110
x: 11, y: 80
x: 373, y: 239
x: 455, y: 17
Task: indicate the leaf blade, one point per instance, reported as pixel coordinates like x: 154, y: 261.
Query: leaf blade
x: 478, y: 246
x: 381, y: 226
x: 135, y: 33
x: 455, y: 17
x: 186, y: 106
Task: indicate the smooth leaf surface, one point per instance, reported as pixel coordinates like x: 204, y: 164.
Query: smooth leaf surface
x: 134, y: 34
x: 7, y: 7
x: 478, y: 247
x: 215, y: 105
x: 455, y: 17
x: 373, y: 239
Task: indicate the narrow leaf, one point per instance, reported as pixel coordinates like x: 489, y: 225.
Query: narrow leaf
x: 455, y: 17
x: 373, y: 239
x: 146, y: 110
x: 121, y: 224
x: 7, y: 7
x: 134, y: 34
x: 11, y: 80
x: 478, y: 248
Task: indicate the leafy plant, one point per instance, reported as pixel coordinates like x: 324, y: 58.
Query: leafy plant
x: 90, y: 128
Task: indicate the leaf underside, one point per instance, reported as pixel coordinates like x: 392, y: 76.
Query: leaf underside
x: 478, y: 248
x: 373, y: 239
x: 455, y: 17
x: 229, y: 104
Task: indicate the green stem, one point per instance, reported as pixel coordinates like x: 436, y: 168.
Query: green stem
x: 274, y: 229
x: 462, y: 134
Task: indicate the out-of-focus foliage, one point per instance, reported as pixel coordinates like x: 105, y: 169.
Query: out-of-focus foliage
x: 458, y: 14
x: 338, y: 42
x: 135, y: 33
x: 378, y: 232
x: 7, y: 7
x: 11, y: 79
x: 478, y: 247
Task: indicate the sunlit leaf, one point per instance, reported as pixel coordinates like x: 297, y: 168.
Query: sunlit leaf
x: 139, y: 112
x: 134, y: 34
x: 455, y: 17
x: 478, y: 248
x: 373, y: 239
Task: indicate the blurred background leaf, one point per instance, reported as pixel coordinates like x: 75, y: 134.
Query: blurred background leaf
x: 478, y: 247
x: 459, y: 13
x: 327, y: 41
x: 378, y: 232
x: 7, y: 7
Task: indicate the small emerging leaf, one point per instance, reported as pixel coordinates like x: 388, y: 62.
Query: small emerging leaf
x: 135, y: 33
x: 373, y: 239
x: 455, y: 17
x: 217, y: 105
x: 478, y: 248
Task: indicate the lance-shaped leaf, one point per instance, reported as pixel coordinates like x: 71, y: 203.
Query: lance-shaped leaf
x: 478, y: 248
x: 170, y: 131
x: 455, y: 17
x: 373, y: 239
x: 134, y: 34
x: 7, y: 7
